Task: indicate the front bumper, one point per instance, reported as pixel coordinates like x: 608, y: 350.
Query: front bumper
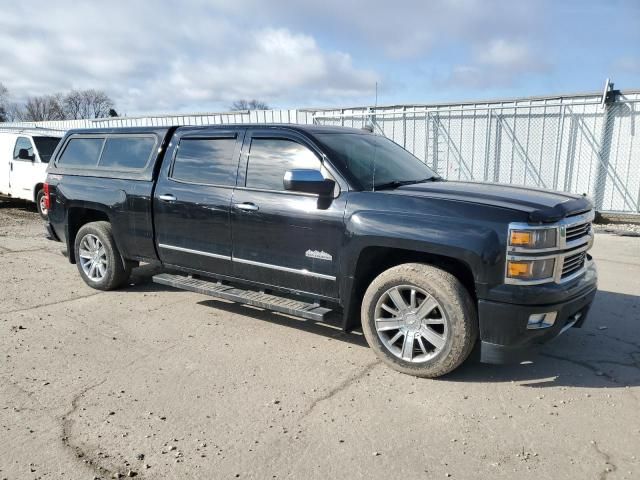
x: 504, y: 336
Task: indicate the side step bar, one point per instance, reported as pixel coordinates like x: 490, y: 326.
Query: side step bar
x: 310, y: 311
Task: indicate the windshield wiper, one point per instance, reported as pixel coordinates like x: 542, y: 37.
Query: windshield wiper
x: 399, y: 183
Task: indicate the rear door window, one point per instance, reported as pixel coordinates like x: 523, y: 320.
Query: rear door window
x: 127, y: 152
x: 46, y: 147
x: 270, y: 158
x: 210, y: 161
x: 82, y: 152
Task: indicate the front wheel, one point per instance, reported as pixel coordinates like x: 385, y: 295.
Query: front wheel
x: 41, y: 204
x: 419, y: 320
x: 98, y: 258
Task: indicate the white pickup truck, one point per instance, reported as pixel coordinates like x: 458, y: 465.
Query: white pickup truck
x: 24, y: 155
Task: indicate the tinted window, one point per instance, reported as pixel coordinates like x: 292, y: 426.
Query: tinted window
x: 46, y: 146
x: 209, y: 161
x: 127, y: 152
x: 270, y: 158
x: 23, y: 143
x: 366, y: 159
x: 82, y: 152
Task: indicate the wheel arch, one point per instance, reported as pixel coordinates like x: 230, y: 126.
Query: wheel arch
x: 373, y: 260
x: 77, y: 217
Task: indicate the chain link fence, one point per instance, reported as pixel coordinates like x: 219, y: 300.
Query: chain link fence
x: 576, y: 144
x: 573, y: 143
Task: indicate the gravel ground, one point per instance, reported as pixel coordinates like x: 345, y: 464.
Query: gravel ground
x: 157, y: 383
x: 623, y: 229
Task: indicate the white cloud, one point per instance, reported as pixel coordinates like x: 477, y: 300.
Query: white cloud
x: 159, y: 57
x: 502, y: 53
x: 499, y: 62
x: 627, y: 64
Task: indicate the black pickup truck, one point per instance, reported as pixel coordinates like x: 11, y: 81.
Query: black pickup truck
x: 307, y: 220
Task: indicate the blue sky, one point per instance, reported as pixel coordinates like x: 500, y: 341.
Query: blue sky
x: 197, y: 55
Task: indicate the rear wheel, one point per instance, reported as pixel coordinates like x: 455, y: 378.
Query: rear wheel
x: 98, y: 258
x: 419, y: 320
x: 41, y: 204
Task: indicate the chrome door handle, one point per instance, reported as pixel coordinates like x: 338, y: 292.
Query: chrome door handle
x: 167, y: 198
x: 250, y: 207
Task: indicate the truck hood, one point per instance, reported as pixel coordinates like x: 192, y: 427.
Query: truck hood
x: 542, y: 206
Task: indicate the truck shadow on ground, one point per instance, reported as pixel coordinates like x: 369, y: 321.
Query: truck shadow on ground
x: 587, y: 357
x: 17, y: 204
x: 605, y: 353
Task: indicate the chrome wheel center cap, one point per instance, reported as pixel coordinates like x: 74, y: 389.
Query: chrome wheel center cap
x: 412, y: 322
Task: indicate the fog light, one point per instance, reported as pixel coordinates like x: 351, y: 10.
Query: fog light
x: 541, y: 320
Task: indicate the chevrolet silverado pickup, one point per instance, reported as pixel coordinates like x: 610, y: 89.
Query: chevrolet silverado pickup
x: 309, y: 220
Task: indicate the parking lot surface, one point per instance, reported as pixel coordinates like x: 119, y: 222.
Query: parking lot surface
x: 159, y: 383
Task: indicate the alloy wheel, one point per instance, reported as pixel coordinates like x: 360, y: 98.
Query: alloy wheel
x: 93, y: 257
x: 411, y: 323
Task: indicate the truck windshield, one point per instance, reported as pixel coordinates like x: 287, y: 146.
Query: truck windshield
x: 46, y: 146
x: 371, y: 160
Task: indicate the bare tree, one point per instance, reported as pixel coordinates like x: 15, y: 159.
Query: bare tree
x: 13, y: 112
x: 98, y: 103
x: 3, y: 103
x: 87, y: 104
x: 46, y: 107
x: 249, y: 105
x: 75, y: 104
x: 72, y: 104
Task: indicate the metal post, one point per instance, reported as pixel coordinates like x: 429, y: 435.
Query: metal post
x: 603, y: 155
x: 436, y: 146
x: 487, y: 147
x: 497, y: 148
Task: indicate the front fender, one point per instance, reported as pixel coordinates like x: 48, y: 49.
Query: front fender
x: 474, y: 242
x: 472, y: 235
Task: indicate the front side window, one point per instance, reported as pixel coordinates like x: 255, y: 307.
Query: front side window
x: 270, y: 158
x: 23, y: 143
x: 209, y: 161
x: 46, y: 146
x: 127, y: 152
x: 81, y: 152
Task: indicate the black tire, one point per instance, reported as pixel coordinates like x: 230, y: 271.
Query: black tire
x: 39, y: 205
x: 117, y: 270
x: 459, y: 313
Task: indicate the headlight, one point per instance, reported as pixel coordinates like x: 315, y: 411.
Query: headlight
x: 534, y: 239
x: 531, y: 269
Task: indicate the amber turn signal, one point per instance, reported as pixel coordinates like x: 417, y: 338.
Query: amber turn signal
x: 518, y: 269
x: 520, y: 238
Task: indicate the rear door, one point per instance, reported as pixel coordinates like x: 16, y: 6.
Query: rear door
x: 192, y: 199
x: 282, y: 238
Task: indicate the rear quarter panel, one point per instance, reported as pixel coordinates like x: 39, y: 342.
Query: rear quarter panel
x: 127, y: 204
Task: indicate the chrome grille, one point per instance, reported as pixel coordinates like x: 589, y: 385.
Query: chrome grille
x: 573, y: 263
x: 575, y: 232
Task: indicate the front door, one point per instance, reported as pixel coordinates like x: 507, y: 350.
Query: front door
x: 193, y: 197
x: 23, y: 171
x: 284, y: 238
